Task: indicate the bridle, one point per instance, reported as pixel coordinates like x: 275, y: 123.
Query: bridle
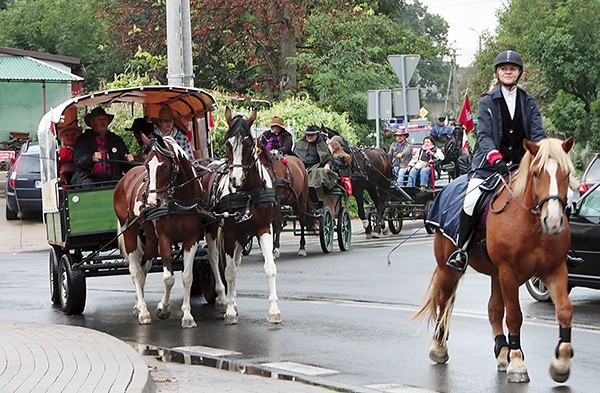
x: 170, y: 187
x: 537, y: 205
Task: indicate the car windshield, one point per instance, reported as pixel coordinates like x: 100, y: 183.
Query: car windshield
x: 590, y: 205
x: 593, y: 173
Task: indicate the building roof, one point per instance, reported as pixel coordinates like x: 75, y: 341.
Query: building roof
x: 73, y: 62
x: 28, y: 69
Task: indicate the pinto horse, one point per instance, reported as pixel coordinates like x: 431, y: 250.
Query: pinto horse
x: 371, y: 172
x: 161, y: 201
x: 527, y: 234
x: 290, y: 180
x: 243, y: 191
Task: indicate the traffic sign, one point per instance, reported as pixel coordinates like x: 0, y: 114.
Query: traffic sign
x: 379, y: 99
x: 404, y: 66
x: 423, y: 112
x: 412, y: 103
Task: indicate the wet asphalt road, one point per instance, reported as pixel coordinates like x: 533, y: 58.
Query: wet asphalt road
x: 346, y: 312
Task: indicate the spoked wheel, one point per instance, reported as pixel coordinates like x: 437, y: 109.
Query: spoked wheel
x: 72, y: 286
x: 344, y: 229
x: 537, y: 289
x: 326, y: 230
x: 395, y: 221
x: 248, y: 247
x: 53, y: 269
x: 429, y: 228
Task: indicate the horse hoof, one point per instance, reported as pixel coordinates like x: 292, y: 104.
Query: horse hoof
x: 440, y: 357
x: 518, y: 377
x: 560, y: 370
x: 274, y: 319
x: 375, y: 235
x: 231, y: 319
x: 502, y: 366
x: 302, y: 253
x: 144, y: 319
x: 188, y: 323
x: 163, y: 314
x: 276, y: 253
x: 220, y: 307
x: 369, y: 235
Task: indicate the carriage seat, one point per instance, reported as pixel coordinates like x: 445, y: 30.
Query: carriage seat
x: 65, y: 172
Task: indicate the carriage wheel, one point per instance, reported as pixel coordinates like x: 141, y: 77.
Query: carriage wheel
x: 53, y: 269
x: 72, y: 286
x: 248, y: 247
x: 326, y: 230
x: 344, y: 229
x: 429, y: 228
x: 396, y: 220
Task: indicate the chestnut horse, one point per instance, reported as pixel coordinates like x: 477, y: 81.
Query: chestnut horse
x: 527, y: 234
x: 290, y: 180
x: 243, y: 191
x: 161, y: 200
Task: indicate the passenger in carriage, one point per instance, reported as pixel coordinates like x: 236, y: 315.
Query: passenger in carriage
x: 342, y: 161
x: 67, y: 136
x: 166, y: 127
x: 317, y: 158
x: 419, y: 164
x: 401, y: 153
x: 277, y: 139
x: 99, y: 155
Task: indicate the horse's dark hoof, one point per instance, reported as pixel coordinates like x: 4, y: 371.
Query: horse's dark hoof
x: 560, y: 370
x: 440, y: 357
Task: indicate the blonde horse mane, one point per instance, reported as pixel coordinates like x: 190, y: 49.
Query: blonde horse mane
x: 550, y: 148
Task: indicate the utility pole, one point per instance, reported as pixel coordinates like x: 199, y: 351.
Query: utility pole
x: 452, y: 84
x: 179, y: 43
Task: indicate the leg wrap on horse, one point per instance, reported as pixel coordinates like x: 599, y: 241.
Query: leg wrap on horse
x: 564, y: 336
x: 499, y: 343
x: 514, y: 342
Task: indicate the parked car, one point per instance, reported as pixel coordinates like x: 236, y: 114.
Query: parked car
x: 23, y: 183
x: 591, y: 175
x: 585, y: 243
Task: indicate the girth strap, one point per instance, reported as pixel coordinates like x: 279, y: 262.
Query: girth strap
x: 242, y: 199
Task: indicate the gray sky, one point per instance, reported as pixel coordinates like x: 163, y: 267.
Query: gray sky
x: 464, y: 16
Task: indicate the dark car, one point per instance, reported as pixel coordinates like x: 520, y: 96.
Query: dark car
x: 585, y: 243
x: 23, y: 183
x: 591, y: 175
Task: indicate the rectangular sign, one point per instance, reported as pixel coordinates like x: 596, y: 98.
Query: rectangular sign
x: 6, y: 155
x: 413, y: 103
x: 379, y: 101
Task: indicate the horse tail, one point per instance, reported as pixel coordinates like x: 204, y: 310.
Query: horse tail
x: 432, y: 304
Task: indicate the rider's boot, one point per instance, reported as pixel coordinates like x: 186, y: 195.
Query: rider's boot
x: 459, y: 259
x: 573, y: 261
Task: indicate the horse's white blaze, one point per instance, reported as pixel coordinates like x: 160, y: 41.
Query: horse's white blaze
x: 554, y: 213
x: 153, y: 165
x: 237, y: 171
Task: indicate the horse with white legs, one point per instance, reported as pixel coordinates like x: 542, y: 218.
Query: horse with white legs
x: 526, y: 234
x: 242, y: 190
x: 158, y: 205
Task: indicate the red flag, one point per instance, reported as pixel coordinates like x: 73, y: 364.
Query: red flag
x: 466, y: 116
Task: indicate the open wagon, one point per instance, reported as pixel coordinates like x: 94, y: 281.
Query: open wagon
x: 81, y: 224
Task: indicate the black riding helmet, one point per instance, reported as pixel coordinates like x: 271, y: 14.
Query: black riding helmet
x: 509, y: 57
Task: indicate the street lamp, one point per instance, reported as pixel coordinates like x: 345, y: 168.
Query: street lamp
x: 478, y: 34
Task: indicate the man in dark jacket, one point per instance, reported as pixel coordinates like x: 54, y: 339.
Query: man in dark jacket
x: 99, y: 155
x: 317, y: 158
x: 507, y: 115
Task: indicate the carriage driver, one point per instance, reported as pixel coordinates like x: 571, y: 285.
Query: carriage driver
x: 313, y: 151
x: 507, y: 115
x: 99, y: 155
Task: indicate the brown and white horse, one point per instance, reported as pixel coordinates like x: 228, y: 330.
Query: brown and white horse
x: 160, y: 200
x: 527, y: 234
x: 244, y: 192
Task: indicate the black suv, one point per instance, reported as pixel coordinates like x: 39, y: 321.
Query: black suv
x: 23, y: 183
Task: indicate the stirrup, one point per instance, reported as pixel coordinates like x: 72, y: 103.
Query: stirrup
x: 458, y: 261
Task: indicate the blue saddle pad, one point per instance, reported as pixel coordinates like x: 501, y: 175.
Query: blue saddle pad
x: 445, y: 213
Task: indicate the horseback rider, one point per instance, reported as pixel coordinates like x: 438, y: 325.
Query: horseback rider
x: 507, y: 115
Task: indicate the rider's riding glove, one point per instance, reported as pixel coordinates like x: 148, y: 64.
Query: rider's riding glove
x: 500, y: 167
